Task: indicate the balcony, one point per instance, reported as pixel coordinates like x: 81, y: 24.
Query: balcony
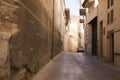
x: 88, y: 3
x: 92, y: 14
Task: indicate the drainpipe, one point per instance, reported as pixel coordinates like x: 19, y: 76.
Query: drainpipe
x: 52, y: 51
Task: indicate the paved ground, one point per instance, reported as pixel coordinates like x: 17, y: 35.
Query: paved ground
x: 77, y: 66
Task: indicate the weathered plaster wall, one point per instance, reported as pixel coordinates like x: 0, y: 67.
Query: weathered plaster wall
x: 88, y: 39
x: 8, y: 26
x: 112, y: 28
x: 74, y: 29
x: 90, y: 16
x: 27, y: 27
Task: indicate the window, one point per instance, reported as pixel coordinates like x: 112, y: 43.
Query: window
x: 110, y: 3
x: 110, y: 17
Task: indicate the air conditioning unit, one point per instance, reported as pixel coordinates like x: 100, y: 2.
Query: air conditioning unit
x: 81, y: 20
x: 83, y: 12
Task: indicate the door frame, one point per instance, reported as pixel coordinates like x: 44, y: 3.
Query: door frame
x: 110, y: 36
x: 101, y: 33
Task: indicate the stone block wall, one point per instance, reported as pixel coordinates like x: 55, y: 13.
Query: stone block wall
x: 31, y: 36
x: 117, y: 48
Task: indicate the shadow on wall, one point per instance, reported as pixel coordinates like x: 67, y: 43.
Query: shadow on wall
x: 30, y: 47
x: 58, y: 43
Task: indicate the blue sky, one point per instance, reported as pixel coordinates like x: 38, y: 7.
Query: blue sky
x: 74, y: 6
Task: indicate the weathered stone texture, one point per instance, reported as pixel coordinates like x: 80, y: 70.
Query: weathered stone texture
x: 7, y: 27
x: 30, y: 25
x: 109, y: 29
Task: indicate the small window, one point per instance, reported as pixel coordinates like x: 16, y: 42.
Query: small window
x: 110, y: 17
x: 108, y: 4
x: 112, y: 13
x: 112, y: 2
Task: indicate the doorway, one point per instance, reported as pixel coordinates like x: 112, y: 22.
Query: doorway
x: 94, y: 36
x: 101, y: 39
x: 112, y: 47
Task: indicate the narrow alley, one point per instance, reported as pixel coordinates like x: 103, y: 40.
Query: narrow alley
x: 77, y: 66
x: 59, y: 40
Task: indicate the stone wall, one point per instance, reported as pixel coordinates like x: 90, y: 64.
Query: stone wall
x: 31, y: 36
x: 72, y: 39
x: 88, y: 39
x: 74, y: 30
x: 90, y: 16
x: 109, y: 29
x: 117, y: 48
x: 8, y: 26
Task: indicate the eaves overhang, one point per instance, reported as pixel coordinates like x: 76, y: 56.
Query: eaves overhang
x: 87, y: 3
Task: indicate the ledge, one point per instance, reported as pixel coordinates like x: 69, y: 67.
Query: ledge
x: 116, y: 53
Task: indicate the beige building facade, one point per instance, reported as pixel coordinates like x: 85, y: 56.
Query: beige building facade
x: 109, y: 25
x: 73, y: 34
x: 90, y: 27
x: 31, y: 33
x: 107, y: 29
x: 74, y: 29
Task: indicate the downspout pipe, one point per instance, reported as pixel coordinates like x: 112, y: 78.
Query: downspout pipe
x: 52, y: 51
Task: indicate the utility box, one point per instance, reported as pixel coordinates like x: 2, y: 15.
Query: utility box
x: 82, y: 12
